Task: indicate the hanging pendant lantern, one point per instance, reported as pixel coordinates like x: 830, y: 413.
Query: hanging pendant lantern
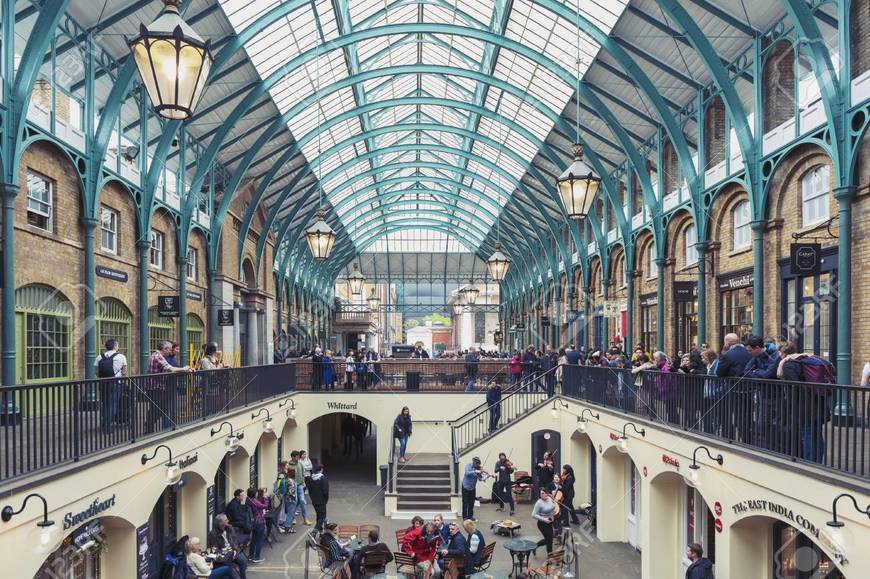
x: 373, y: 301
x: 470, y: 293
x: 174, y: 63
x: 320, y: 237
x: 356, y: 280
x: 498, y: 263
x: 578, y: 185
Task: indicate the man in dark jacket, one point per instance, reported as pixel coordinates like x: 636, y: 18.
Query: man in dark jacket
x: 701, y: 567
x: 530, y: 362
x: 493, y: 401
x: 763, y: 366
x: 225, y: 540
x: 572, y: 356
x: 737, y: 404
x: 318, y: 490
x: 374, y: 546
x: 239, y: 514
x: 456, y: 546
x: 548, y: 362
x: 472, y: 364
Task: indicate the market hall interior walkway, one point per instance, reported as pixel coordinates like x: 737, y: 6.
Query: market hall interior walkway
x: 354, y: 500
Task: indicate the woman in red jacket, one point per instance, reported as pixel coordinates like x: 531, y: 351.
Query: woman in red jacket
x: 422, y: 543
x: 516, y: 364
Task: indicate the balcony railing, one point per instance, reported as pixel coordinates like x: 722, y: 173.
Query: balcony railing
x: 46, y: 425
x: 820, y: 424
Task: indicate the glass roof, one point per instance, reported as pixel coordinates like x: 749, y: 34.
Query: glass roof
x: 330, y: 139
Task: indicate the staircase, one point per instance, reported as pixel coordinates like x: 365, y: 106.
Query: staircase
x: 423, y: 485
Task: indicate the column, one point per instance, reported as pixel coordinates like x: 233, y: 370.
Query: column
x: 213, y: 305
x: 253, y: 354
x: 143, y: 246
x: 628, y: 340
x: 844, y: 197
x: 758, y: 277
x: 9, y: 192
x: 702, y: 247
x: 181, y: 261
x: 660, y: 305
x: 90, y: 319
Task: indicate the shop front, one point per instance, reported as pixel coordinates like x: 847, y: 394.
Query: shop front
x: 809, y: 301
x: 686, y: 318
x: 735, y: 303
x: 648, y: 322
x: 79, y: 554
x: 698, y: 525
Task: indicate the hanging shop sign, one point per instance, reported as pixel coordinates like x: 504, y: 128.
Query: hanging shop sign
x: 145, y: 567
x: 685, y: 291
x: 612, y: 308
x: 650, y: 300
x: 168, y: 306
x: 226, y: 317
x: 255, y: 469
x: 496, y: 337
x: 520, y: 327
x: 88, y: 535
x: 195, y: 296
x: 736, y: 281
x: 806, y: 259
x: 71, y: 519
x: 545, y: 321
x: 211, y: 505
x: 112, y: 274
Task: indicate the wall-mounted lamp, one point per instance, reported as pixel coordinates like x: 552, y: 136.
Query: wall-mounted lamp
x: 173, y: 472
x: 554, y: 411
x: 832, y: 535
x: 291, y: 412
x: 232, y: 440
x: 692, y: 473
x: 267, y: 424
x: 582, y: 423
x: 47, y: 528
x: 622, y: 441
x: 836, y: 523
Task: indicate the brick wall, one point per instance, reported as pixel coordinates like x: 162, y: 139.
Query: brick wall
x: 778, y: 86
x: 859, y: 29
x: 714, y: 133
x: 670, y: 168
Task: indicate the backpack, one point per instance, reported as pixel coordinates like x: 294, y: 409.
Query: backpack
x: 175, y: 567
x: 817, y: 370
x: 106, y: 366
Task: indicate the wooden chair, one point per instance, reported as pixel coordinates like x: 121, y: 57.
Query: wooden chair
x: 555, y: 561
x: 327, y: 569
x: 364, y: 530
x: 347, y: 531
x: 454, y: 567
x: 405, y: 564
x: 486, y: 561
x: 373, y: 560
x: 400, y: 536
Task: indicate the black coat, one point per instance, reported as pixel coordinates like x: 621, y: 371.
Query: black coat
x: 239, y: 515
x: 700, y: 569
x: 402, y: 425
x: 318, y: 490
x: 215, y: 539
x: 733, y: 362
x: 568, y: 488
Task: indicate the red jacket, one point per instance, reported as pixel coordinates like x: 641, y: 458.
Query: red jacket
x: 516, y: 365
x: 415, y: 544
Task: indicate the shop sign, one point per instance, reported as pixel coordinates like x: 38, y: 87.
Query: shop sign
x: 718, y: 525
x: 88, y: 534
x: 71, y: 520
x: 112, y: 274
x: 145, y: 567
x: 187, y: 460
x: 226, y: 317
x: 717, y: 508
x: 645, y: 472
x: 651, y: 300
x: 520, y: 327
x: 612, y: 308
x: 685, y: 291
x: 670, y: 460
x: 168, y: 306
x: 754, y: 505
x: 613, y: 436
x: 496, y: 337
x: 806, y: 258
x: 571, y: 315
x: 254, y: 470
x: 195, y: 296
x: 738, y: 281
x: 210, y: 506
x: 342, y: 406
x: 545, y: 321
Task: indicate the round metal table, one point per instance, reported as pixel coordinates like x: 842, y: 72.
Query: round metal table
x: 520, y: 550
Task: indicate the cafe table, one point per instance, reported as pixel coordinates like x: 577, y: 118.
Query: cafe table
x: 521, y: 552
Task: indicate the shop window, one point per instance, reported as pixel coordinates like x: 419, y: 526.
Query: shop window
x: 195, y: 333
x: 43, y: 324
x: 737, y: 312
x: 797, y: 556
x: 156, y: 256
x: 741, y: 218
x: 159, y: 328
x: 109, y: 219
x: 690, y: 237
x: 40, y: 201
x: 114, y: 321
x: 653, y: 267
x: 648, y: 321
x: 191, y: 264
x: 815, y: 188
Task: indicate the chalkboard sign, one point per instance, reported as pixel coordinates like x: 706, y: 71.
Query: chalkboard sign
x: 146, y: 567
x: 168, y: 306
x: 806, y: 258
x: 210, y: 506
x: 226, y: 317
x: 255, y: 468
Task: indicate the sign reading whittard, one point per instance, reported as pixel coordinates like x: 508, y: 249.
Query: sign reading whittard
x: 751, y: 505
x: 342, y: 406
x: 71, y: 520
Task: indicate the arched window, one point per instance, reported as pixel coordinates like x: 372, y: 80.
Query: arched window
x: 159, y: 328
x: 691, y: 238
x: 195, y: 335
x: 652, y: 265
x: 43, y: 322
x: 815, y: 189
x: 114, y: 321
x: 741, y: 218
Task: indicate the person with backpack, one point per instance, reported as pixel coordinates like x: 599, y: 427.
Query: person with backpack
x: 110, y: 364
x: 174, y: 564
x: 811, y: 401
x: 318, y: 491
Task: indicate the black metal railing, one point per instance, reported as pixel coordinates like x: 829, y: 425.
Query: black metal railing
x: 822, y: 424
x: 45, y: 425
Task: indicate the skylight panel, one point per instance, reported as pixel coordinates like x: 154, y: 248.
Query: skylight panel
x: 241, y: 13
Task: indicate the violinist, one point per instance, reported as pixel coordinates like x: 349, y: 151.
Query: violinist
x: 504, y: 469
x: 568, y: 479
x: 545, y: 469
x: 474, y: 473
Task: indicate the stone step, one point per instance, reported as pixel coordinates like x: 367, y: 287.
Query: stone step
x: 423, y: 473
x: 423, y: 489
x: 424, y: 506
x: 436, y: 482
x: 407, y: 515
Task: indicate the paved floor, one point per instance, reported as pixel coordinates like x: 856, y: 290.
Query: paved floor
x: 354, y: 499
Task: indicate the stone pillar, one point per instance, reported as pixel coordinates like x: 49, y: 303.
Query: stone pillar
x: 237, y: 333
x: 192, y: 507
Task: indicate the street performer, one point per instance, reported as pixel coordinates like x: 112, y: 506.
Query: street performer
x: 474, y: 473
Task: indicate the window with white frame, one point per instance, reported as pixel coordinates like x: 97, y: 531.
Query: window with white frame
x: 742, y: 217
x: 109, y: 230
x: 156, y: 249
x: 40, y: 200
x: 653, y: 266
x: 691, y: 238
x: 815, y: 189
x: 191, y: 264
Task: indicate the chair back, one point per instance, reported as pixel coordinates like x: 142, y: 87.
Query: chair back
x: 488, y: 552
x: 404, y: 563
x: 400, y: 536
x: 323, y: 555
x: 555, y: 560
x: 374, y: 559
x: 347, y: 531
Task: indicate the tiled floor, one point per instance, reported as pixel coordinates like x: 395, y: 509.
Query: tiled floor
x: 355, y: 500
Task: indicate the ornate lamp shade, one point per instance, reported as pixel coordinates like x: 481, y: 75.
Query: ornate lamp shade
x: 356, y: 280
x: 373, y: 300
x: 498, y: 263
x: 578, y: 185
x: 320, y: 237
x: 174, y: 63
x: 470, y: 294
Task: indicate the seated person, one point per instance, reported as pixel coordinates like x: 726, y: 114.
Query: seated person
x: 203, y: 567
x: 476, y: 545
x: 374, y: 546
x: 422, y: 542
x: 337, y: 553
x: 455, y: 548
x: 224, y: 540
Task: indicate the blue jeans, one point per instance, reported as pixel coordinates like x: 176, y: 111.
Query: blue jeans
x: 403, y: 445
x: 224, y: 572
x: 257, y: 540
x: 494, y: 417
x: 812, y: 442
x: 300, y: 502
x: 472, y: 382
x: 111, y: 395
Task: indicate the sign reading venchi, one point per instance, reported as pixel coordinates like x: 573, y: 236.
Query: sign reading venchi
x: 342, y: 406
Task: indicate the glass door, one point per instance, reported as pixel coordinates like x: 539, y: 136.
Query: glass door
x: 687, y: 325
x: 810, y: 314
